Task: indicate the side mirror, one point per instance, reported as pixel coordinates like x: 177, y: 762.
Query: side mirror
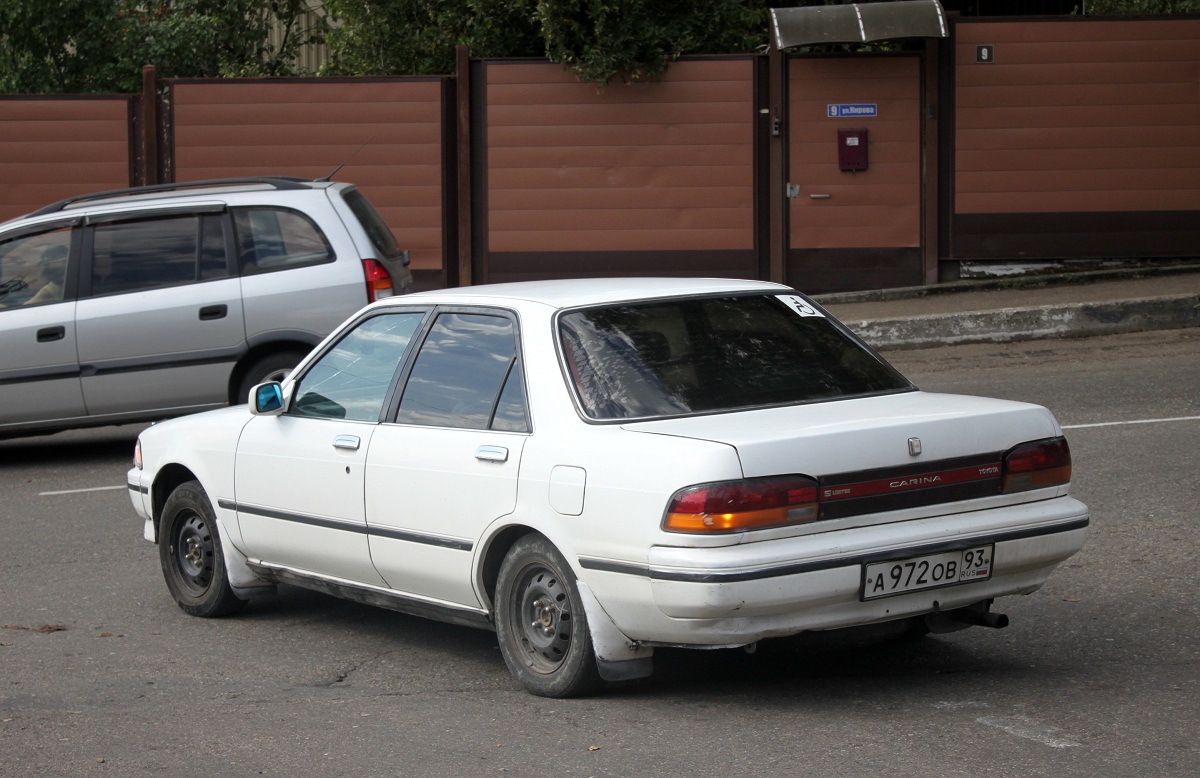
x: 266, y: 399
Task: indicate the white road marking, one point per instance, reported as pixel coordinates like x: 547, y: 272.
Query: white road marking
x: 81, y: 491
x: 1023, y: 726
x: 1135, y: 421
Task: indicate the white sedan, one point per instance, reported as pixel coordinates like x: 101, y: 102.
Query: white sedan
x: 597, y: 468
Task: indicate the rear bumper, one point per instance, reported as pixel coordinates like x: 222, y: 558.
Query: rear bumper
x: 735, y: 595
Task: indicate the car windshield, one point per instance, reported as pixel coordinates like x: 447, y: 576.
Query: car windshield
x: 380, y: 234
x: 703, y: 355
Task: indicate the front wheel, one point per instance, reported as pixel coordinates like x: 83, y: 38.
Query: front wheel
x: 189, y: 549
x: 540, y: 622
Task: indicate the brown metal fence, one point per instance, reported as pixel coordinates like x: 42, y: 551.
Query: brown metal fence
x: 1015, y: 139
x: 1076, y: 138
x: 55, y: 147
x: 641, y: 179
x: 388, y: 136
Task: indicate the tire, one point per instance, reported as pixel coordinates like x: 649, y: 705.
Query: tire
x: 540, y: 622
x: 189, y: 549
x: 272, y: 367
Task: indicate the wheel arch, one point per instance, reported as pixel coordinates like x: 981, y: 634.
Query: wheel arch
x: 292, y: 343
x: 166, y: 480
x: 618, y: 658
x: 495, y: 549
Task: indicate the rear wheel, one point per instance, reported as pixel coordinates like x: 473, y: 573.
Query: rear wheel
x: 540, y: 622
x: 272, y: 367
x: 189, y: 549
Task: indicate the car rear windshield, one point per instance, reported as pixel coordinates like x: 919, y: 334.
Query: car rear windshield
x: 703, y: 355
x: 376, y: 228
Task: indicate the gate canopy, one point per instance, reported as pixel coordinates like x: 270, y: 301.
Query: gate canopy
x: 858, y: 23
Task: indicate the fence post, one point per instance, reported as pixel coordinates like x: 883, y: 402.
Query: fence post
x: 777, y: 203
x: 462, y: 66
x: 149, y: 125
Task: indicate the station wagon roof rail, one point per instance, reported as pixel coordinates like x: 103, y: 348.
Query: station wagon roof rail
x: 275, y: 182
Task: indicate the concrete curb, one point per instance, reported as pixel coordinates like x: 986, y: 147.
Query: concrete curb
x: 1031, y: 280
x: 1076, y: 320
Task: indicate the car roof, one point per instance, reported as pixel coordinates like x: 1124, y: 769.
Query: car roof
x: 267, y: 188
x: 575, y: 292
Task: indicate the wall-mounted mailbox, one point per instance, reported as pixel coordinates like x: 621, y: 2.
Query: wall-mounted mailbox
x: 852, y: 149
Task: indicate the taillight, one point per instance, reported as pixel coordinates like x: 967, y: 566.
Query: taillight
x: 734, y: 506
x: 379, y: 281
x: 1036, y: 465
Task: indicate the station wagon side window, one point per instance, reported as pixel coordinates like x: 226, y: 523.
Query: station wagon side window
x: 467, y: 375
x: 270, y: 239
x: 351, y: 380
x: 138, y: 254
x: 33, y: 268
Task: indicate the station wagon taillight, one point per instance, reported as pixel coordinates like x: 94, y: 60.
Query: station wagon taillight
x: 1036, y: 465
x: 735, y: 506
x: 379, y: 280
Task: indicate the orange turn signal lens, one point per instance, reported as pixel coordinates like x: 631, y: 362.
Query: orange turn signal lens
x: 736, y: 506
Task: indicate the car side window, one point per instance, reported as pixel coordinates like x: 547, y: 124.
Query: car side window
x: 351, y: 380
x: 33, y: 268
x: 134, y: 255
x: 270, y: 239
x: 467, y: 375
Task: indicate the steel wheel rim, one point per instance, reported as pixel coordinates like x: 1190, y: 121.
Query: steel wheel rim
x: 276, y: 375
x: 193, y: 553
x: 542, y: 615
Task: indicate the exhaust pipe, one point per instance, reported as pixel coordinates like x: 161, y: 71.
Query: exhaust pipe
x: 977, y: 615
x: 978, y: 618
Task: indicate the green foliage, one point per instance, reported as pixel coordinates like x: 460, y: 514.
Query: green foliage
x: 637, y: 40
x: 419, y: 37
x: 598, y: 39
x: 1141, y: 7
x: 52, y: 45
x: 75, y: 46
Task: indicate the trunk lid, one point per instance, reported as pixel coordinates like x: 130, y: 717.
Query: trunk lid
x: 878, y: 453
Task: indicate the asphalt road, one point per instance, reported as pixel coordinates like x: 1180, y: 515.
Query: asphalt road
x: 1098, y: 674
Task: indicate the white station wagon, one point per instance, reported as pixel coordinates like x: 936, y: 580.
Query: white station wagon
x: 597, y: 468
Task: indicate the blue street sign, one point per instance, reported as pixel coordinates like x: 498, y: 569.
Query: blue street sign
x: 843, y: 110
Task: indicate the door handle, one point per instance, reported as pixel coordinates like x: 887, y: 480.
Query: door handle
x: 213, y: 312
x: 491, y: 454
x: 51, y: 334
x: 348, y: 442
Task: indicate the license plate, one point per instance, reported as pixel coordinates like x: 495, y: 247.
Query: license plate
x: 899, y: 576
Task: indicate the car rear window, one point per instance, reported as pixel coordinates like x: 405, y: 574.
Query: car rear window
x: 376, y: 228
x: 678, y: 357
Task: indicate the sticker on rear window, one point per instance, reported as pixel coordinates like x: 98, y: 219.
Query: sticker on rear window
x: 797, y: 304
